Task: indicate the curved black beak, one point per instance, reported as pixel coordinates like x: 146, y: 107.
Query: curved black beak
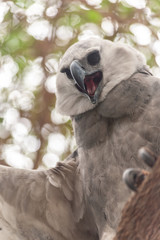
x: 89, y: 84
x: 78, y: 74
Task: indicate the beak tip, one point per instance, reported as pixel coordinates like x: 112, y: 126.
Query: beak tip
x: 93, y: 101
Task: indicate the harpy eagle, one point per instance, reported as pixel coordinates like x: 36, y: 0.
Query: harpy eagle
x: 113, y: 101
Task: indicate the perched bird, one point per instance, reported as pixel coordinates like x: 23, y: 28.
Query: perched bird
x: 113, y: 101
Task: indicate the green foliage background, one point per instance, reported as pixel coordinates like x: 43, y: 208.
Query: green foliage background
x: 68, y: 21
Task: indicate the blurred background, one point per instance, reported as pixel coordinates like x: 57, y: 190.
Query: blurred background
x: 34, y: 34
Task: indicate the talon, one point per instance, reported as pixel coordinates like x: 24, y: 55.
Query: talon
x: 147, y: 156
x: 134, y: 178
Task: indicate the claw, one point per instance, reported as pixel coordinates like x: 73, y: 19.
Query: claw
x: 147, y: 156
x: 134, y: 178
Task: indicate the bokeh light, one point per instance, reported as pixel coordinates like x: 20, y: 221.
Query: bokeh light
x: 34, y: 35
x: 141, y: 33
x: 57, y: 143
x: 136, y: 3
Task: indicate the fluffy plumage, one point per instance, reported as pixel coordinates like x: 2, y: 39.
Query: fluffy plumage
x: 40, y: 205
x: 118, y: 63
x: 113, y: 101
x: 113, y: 116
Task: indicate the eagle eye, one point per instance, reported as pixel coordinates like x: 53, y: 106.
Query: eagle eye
x: 67, y: 72
x: 93, y: 58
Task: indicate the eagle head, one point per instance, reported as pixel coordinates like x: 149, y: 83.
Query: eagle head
x: 90, y: 69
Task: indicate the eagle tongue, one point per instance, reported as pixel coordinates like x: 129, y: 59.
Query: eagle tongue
x: 90, y: 86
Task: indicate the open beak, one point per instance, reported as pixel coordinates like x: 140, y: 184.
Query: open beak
x: 88, y: 84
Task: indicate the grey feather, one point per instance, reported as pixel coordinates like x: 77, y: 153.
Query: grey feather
x: 43, y: 204
x: 119, y: 63
x: 114, y: 106
x: 109, y: 133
